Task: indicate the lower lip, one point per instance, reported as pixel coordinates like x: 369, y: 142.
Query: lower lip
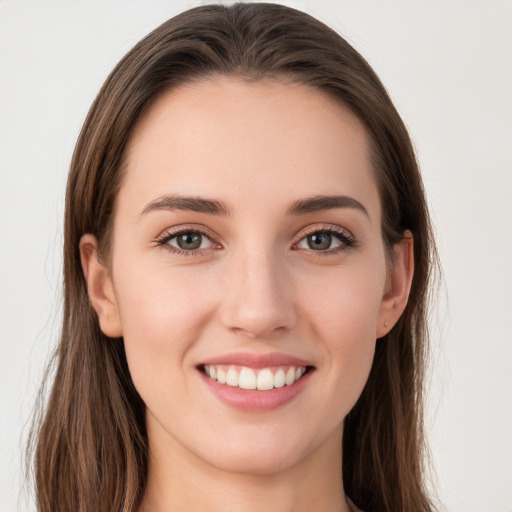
x: 253, y: 400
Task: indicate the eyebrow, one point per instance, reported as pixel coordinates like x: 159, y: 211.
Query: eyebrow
x: 319, y: 203
x: 194, y: 204
x: 215, y: 207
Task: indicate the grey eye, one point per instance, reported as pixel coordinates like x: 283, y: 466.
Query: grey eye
x: 319, y: 241
x: 190, y: 241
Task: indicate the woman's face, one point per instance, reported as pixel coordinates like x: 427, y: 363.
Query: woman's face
x: 247, y: 244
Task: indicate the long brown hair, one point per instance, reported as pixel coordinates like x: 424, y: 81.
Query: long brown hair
x: 91, y: 450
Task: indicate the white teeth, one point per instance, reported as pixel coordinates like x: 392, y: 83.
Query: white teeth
x: 221, y: 375
x: 290, y: 376
x: 248, y: 378
x: 232, y: 377
x: 265, y: 380
x: 279, y: 379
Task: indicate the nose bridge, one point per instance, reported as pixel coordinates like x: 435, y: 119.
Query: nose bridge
x: 258, y: 299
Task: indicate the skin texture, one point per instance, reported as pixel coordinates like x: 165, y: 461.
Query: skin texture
x: 254, y: 286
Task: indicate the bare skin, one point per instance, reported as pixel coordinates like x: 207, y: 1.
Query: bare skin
x: 267, y: 275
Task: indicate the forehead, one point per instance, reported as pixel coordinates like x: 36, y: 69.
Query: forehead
x: 235, y: 140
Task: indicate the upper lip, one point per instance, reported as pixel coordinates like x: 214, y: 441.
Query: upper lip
x: 257, y: 360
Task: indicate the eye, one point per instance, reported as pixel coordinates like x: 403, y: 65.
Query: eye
x: 189, y: 241
x: 318, y: 242
x: 328, y: 240
x: 186, y: 241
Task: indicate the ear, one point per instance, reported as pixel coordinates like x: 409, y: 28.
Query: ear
x: 398, y: 285
x: 99, y: 287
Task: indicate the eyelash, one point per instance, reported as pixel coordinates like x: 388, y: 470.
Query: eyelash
x: 344, y: 236
x: 163, y: 242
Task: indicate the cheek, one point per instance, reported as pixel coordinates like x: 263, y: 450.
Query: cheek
x: 343, y: 311
x: 346, y: 301
x: 163, y: 311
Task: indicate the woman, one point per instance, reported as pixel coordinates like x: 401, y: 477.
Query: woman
x: 246, y: 266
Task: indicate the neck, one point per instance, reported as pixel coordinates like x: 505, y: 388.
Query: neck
x: 181, y: 482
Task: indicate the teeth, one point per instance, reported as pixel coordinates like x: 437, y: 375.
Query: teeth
x: 265, y: 380
x: 247, y: 378
x: 232, y: 377
x: 279, y: 379
x: 221, y: 375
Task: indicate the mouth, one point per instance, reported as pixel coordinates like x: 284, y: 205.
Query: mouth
x: 256, y: 383
x: 262, y: 379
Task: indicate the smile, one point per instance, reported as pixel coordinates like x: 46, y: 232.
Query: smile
x: 256, y: 382
x: 263, y: 379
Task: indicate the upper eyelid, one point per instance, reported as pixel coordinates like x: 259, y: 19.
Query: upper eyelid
x: 332, y: 228
x: 170, y: 233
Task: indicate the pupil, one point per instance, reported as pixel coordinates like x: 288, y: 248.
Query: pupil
x: 189, y: 241
x: 319, y: 241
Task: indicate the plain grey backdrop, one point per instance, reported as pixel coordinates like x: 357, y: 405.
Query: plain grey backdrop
x: 446, y: 64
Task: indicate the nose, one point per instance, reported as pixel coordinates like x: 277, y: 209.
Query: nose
x: 258, y: 297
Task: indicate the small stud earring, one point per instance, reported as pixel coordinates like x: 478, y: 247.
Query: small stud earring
x: 386, y: 325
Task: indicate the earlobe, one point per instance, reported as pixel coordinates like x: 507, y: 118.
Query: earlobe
x: 398, y: 285
x: 99, y: 287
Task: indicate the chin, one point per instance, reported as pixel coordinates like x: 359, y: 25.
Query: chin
x: 260, y: 464
x: 258, y: 456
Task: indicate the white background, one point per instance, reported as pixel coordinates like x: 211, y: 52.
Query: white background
x: 447, y: 65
